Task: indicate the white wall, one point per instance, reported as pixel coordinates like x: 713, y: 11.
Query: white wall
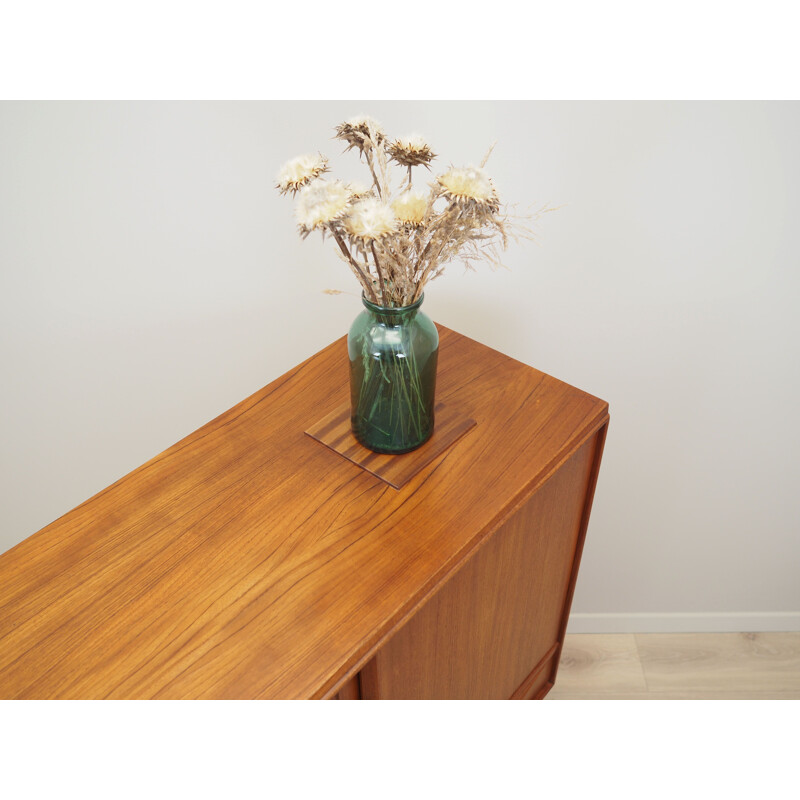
x: 151, y: 277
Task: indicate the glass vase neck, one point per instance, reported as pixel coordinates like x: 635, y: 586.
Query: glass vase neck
x: 394, y: 313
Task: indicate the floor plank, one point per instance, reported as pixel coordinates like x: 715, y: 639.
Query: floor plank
x: 687, y: 666
x: 677, y: 695
x: 752, y: 662
x: 599, y: 663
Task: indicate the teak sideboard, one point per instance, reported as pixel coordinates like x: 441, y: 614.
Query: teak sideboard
x: 266, y: 555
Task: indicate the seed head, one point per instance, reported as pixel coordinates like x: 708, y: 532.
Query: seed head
x: 358, y: 130
x: 320, y: 204
x: 411, y: 151
x: 469, y: 185
x: 411, y: 206
x: 300, y: 171
x: 370, y: 219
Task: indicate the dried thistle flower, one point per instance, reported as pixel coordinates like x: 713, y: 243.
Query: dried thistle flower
x: 320, y: 204
x: 469, y: 185
x: 358, y: 190
x: 411, y: 151
x: 411, y: 206
x: 358, y: 130
x: 300, y: 171
x: 369, y: 220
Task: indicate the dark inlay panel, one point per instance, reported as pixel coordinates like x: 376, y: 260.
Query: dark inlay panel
x: 334, y: 432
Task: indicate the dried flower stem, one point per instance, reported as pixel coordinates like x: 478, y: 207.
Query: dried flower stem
x: 366, y: 282
x: 372, y: 171
x: 384, y: 297
x: 430, y: 241
x: 383, y: 166
x: 424, y: 277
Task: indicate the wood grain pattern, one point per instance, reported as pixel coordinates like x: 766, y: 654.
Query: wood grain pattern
x: 584, y: 524
x: 334, y: 431
x: 538, y: 682
x: 246, y: 562
x: 481, y: 635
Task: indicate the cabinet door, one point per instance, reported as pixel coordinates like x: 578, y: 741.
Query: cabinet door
x: 493, y: 630
x: 350, y: 690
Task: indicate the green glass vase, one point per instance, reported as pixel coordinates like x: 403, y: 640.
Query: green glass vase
x: 393, y: 356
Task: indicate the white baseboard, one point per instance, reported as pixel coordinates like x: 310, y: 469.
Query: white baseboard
x: 685, y: 622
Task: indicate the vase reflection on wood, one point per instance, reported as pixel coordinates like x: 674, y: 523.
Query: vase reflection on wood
x: 393, y: 358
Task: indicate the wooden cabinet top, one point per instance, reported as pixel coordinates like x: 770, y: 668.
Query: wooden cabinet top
x: 250, y: 561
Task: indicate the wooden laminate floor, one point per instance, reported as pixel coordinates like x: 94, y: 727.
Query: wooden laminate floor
x: 679, y: 666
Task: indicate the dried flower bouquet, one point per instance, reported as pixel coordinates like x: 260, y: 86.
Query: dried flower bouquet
x: 395, y: 244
